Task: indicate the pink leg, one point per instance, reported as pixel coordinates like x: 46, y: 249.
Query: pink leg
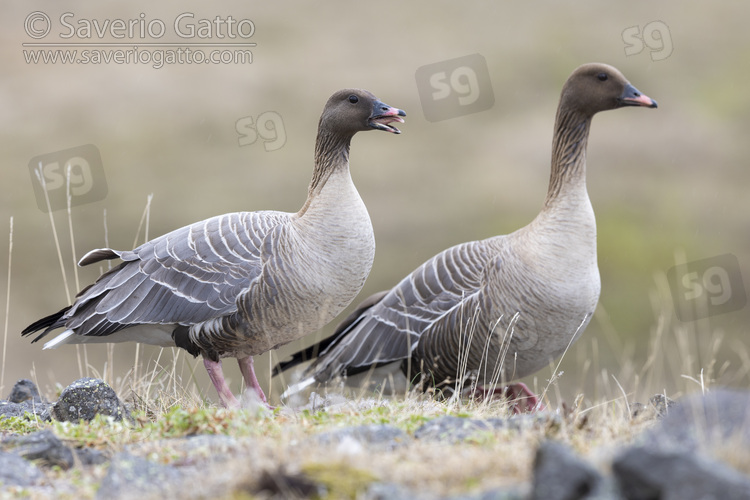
x: 248, y: 372
x: 523, y: 400
x: 217, y: 377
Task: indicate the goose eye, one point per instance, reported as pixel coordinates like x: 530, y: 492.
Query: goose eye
x: 353, y: 99
x: 602, y: 77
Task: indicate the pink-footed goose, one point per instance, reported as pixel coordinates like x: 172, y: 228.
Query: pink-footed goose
x: 240, y: 284
x: 500, y: 308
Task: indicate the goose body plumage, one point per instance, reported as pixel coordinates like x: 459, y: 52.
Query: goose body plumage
x: 501, y: 308
x: 240, y: 284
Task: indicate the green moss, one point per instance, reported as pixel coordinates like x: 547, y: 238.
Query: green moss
x: 101, y: 431
x: 340, y: 479
x: 178, y: 422
x: 21, y: 425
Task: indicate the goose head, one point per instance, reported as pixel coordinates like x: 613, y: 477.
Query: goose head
x: 349, y: 111
x: 598, y: 87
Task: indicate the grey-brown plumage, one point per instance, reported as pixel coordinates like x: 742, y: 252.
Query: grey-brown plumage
x: 240, y: 284
x: 500, y: 308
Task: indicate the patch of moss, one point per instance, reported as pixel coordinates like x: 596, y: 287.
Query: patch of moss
x: 341, y: 480
x: 21, y: 425
x: 179, y: 422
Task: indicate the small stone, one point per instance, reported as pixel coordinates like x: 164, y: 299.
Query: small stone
x: 493, y: 494
x: 717, y: 419
x: 658, y: 406
x: 551, y: 422
x: 450, y: 429
x: 15, y: 471
x: 41, y: 410
x: 131, y: 477
x: 637, y: 409
x: 661, y: 404
x: 43, y: 446
x: 379, y: 436
x: 90, y: 456
x: 645, y: 473
x: 389, y: 491
x: 24, y: 390
x: 85, y: 398
x: 559, y: 474
x: 453, y: 430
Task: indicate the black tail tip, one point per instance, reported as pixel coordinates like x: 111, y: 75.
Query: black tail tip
x: 48, y: 323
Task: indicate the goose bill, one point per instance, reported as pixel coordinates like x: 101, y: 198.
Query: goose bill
x: 384, y: 123
x: 633, y: 97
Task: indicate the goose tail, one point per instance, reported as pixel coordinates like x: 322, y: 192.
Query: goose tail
x: 48, y: 323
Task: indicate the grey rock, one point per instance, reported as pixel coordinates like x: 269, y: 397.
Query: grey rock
x: 24, y: 390
x: 559, y: 474
x: 202, y: 450
x: 646, y: 474
x: 637, y: 409
x: 90, y: 456
x: 379, y: 436
x: 131, y: 477
x: 390, y: 491
x: 43, y: 446
x: 721, y: 416
x: 450, y: 429
x: 661, y: 404
x: 9, y: 409
x: 85, y: 398
x: 494, y: 494
x: 658, y: 406
x: 525, y: 421
x: 15, y: 471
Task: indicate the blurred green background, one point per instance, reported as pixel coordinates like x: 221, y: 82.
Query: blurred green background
x: 665, y: 184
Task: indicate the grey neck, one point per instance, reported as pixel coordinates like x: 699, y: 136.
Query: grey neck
x: 331, y: 154
x: 568, y: 153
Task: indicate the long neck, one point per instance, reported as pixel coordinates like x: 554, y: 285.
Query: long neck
x: 331, y: 156
x: 568, y: 155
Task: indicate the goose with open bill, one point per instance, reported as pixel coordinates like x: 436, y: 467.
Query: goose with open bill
x: 241, y: 284
x: 495, y: 310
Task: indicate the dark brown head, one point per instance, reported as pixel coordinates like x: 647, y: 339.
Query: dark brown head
x: 598, y: 87
x: 350, y: 111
